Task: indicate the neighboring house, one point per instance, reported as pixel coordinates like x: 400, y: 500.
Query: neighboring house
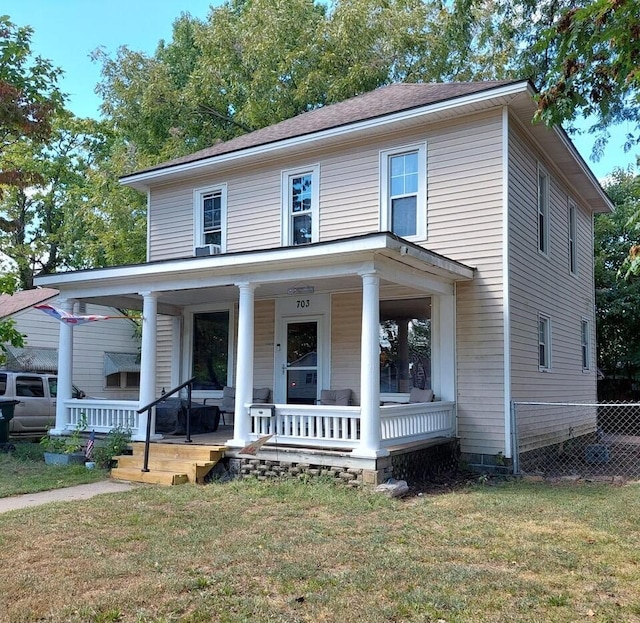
x: 106, y: 353
x: 432, y: 221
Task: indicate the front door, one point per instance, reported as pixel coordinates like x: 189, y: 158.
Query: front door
x: 301, y: 366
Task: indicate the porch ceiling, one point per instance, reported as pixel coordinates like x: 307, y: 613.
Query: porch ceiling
x: 328, y: 267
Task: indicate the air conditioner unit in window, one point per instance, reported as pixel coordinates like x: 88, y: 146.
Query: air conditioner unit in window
x: 208, y: 249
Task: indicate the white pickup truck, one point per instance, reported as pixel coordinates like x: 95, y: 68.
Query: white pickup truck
x: 35, y: 412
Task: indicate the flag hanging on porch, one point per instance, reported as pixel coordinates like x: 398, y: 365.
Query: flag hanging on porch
x: 67, y: 318
x: 253, y: 447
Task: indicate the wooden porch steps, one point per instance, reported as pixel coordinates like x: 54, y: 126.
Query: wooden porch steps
x: 169, y: 463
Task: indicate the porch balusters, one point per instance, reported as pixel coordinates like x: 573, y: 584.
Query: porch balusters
x: 65, y: 368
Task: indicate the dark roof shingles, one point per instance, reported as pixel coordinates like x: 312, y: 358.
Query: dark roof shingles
x: 383, y: 101
x: 13, y: 303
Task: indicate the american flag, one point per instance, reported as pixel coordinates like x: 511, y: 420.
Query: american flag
x: 89, y: 450
x: 67, y: 318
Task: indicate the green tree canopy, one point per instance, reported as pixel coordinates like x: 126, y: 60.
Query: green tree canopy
x: 618, y: 299
x: 29, y: 96
x: 595, y: 66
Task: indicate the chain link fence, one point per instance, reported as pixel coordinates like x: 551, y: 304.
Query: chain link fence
x: 576, y: 439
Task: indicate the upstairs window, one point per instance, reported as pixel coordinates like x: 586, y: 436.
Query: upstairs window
x: 573, y: 239
x: 543, y: 211
x: 210, y: 205
x: 585, y: 340
x: 403, y: 192
x: 300, y: 206
x: 544, y: 343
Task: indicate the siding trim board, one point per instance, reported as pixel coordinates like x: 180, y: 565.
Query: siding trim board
x: 506, y: 299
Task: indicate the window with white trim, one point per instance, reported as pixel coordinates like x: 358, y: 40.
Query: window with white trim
x: 403, y: 191
x: 210, y: 216
x: 211, y: 348
x: 585, y: 343
x: 300, y: 199
x: 543, y: 210
x: 573, y: 239
x: 544, y: 342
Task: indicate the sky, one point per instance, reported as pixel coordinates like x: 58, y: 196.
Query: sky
x: 67, y: 31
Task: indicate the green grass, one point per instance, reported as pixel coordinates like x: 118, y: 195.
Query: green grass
x: 24, y: 471
x: 307, y: 552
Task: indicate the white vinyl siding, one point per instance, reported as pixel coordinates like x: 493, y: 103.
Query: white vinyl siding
x: 465, y: 224
x: 164, y: 354
x: 263, y: 370
x: 346, y: 326
x: 544, y: 284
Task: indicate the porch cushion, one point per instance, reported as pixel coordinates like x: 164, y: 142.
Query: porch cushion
x: 420, y: 395
x: 228, y: 404
x: 260, y: 396
x: 337, y: 397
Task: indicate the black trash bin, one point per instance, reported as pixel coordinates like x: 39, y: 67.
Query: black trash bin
x: 6, y: 415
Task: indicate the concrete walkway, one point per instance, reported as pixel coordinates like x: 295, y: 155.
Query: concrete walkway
x: 79, y: 492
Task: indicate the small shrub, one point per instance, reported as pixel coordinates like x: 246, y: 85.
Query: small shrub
x: 66, y: 445
x: 114, y: 443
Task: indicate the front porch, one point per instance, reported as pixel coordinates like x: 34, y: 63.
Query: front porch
x: 300, y: 426
x: 170, y: 456
x: 296, y: 321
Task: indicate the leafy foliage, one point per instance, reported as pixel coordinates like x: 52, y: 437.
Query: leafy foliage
x: 114, y: 443
x: 29, y: 97
x: 617, y: 298
x: 595, y: 67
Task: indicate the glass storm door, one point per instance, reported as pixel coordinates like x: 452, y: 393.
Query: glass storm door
x: 301, y: 366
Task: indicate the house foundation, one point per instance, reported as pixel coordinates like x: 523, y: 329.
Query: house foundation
x: 413, y: 462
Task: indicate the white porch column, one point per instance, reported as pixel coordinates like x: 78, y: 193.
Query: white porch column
x: 65, y: 368
x: 370, y: 370
x: 443, y: 356
x: 244, y: 365
x: 148, y: 362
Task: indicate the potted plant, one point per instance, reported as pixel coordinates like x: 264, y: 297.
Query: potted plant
x: 59, y: 450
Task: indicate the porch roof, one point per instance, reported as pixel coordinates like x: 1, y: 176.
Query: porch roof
x: 326, y: 266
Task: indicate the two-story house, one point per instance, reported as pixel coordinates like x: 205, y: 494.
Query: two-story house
x: 418, y: 236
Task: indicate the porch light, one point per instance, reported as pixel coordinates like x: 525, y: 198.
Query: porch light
x: 301, y: 290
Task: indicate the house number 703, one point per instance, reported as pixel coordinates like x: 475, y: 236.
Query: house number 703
x: 301, y: 303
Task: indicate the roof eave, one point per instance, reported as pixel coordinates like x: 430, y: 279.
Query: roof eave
x: 143, y: 180
x: 328, y: 252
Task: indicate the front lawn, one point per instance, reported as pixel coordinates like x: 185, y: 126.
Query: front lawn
x: 24, y: 471
x: 310, y: 552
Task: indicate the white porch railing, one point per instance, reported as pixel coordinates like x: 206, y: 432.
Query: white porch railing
x: 315, y: 426
x: 309, y: 425
x: 103, y: 415
x: 404, y: 423
x: 339, y: 427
